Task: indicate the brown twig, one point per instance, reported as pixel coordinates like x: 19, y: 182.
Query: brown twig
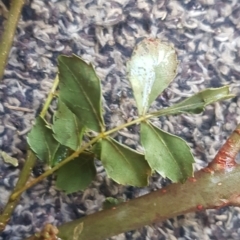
x: 9, y: 32
x: 225, y: 158
x: 18, y: 108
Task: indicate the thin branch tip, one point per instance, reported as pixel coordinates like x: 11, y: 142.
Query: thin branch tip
x: 225, y: 158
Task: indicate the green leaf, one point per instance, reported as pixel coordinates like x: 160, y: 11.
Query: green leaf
x: 80, y: 90
x: 167, y: 154
x: 77, y: 174
x: 66, y: 127
x: 150, y: 70
x: 96, y: 149
x: 8, y: 159
x: 198, y: 102
x: 42, y: 142
x: 123, y: 164
x: 111, y: 202
x: 61, y: 153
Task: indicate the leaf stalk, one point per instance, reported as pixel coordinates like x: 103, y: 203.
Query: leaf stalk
x: 50, y: 97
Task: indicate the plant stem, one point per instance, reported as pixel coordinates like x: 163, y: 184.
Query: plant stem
x: 12, y: 203
x: 206, y: 191
x: 9, y: 32
x: 26, y: 171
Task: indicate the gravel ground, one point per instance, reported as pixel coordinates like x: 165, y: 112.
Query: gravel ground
x: 206, y: 36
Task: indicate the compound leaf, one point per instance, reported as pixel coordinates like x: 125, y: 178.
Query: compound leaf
x: 80, y: 90
x: 167, y: 154
x: 123, y: 164
x: 42, y: 142
x: 66, y: 127
x: 150, y: 70
x: 77, y: 174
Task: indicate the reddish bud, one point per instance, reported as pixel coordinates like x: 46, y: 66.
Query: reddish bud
x: 199, y: 207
